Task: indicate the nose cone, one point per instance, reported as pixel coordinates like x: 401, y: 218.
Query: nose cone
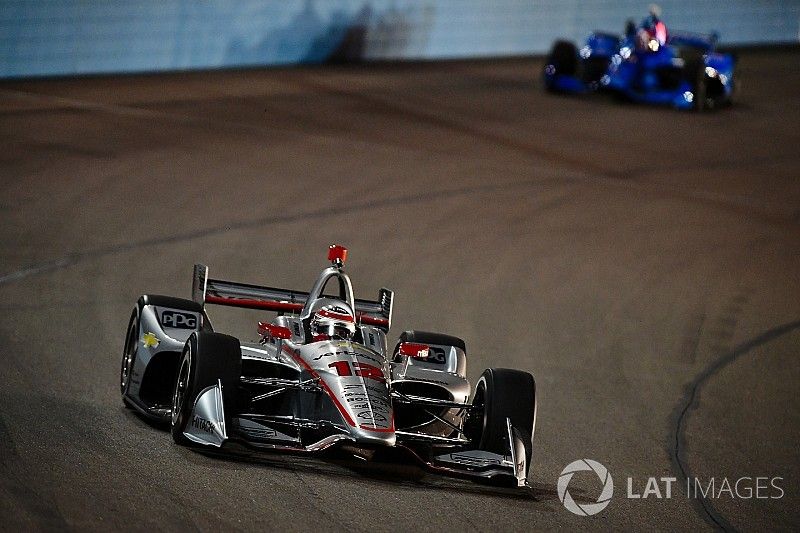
x: 355, y: 378
x: 366, y: 406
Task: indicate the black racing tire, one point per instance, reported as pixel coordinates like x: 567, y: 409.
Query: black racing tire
x: 502, y: 393
x: 129, y: 350
x: 564, y: 56
x: 593, y: 69
x: 563, y: 59
x: 696, y: 75
x: 206, y: 359
x: 427, y: 337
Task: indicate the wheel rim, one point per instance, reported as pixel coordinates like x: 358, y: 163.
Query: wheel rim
x: 476, y: 419
x: 180, y: 386
x: 128, y: 356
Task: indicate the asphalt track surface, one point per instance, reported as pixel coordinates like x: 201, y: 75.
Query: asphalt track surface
x: 642, y: 263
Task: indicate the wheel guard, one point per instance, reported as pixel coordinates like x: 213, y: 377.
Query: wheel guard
x: 207, y: 422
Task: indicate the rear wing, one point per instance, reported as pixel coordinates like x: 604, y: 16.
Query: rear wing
x: 702, y: 41
x: 214, y: 291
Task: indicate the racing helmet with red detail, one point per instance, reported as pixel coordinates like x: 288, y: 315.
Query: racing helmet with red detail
x: 652, y: 32
x: 332, y: 319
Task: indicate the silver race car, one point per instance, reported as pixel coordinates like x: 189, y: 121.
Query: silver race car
x: 322, y: 377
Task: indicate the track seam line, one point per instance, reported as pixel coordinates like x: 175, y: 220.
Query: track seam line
x: 690, y: 402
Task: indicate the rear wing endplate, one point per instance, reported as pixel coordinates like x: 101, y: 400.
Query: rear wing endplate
x: 214, y: 291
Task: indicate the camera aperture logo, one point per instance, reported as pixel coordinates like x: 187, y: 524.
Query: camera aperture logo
x: 585, y: 509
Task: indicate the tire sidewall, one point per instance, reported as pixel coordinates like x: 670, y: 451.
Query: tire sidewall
x: 178, y: 423
x: 211, y: 358
x: 491, y: 434
x: 496, y: 408
x: 701, y: 90
x: 133, y: 327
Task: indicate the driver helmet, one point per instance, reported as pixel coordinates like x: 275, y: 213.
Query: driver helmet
x: 332, y: 319
x: 652, y: 29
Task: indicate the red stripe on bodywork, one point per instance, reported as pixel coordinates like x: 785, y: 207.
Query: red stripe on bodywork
x: 335, y: 316
x: 269, y: 305
x: 390, y: 429
x: 372, y: 321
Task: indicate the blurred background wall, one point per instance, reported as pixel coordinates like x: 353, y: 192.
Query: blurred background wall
x: 57, y: 37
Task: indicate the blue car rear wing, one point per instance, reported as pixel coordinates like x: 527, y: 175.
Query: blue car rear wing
x: 702, y: 41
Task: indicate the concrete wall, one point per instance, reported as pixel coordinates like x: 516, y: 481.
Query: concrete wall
x: 52, y: 37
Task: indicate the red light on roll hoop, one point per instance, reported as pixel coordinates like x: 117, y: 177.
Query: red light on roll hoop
x: 337, y: 254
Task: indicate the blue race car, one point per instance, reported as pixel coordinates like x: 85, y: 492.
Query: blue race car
x: 646, y: 65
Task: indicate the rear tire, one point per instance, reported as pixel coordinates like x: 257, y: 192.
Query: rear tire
x: 206, y: 359
x: 502, y: 393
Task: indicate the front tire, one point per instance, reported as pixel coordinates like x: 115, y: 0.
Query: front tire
x: 207, y: 358
x: 129, y: 355
x: 502, y: 393
x: 696, y: 74
x: 562, y: 60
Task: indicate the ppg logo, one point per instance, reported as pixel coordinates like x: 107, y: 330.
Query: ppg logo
x: 436, y: 355
x: 175, y: 319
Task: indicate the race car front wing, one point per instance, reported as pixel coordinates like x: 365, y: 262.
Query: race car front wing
x: 207, y: 427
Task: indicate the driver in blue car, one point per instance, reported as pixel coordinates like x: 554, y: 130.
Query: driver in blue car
x: 652, y: 32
